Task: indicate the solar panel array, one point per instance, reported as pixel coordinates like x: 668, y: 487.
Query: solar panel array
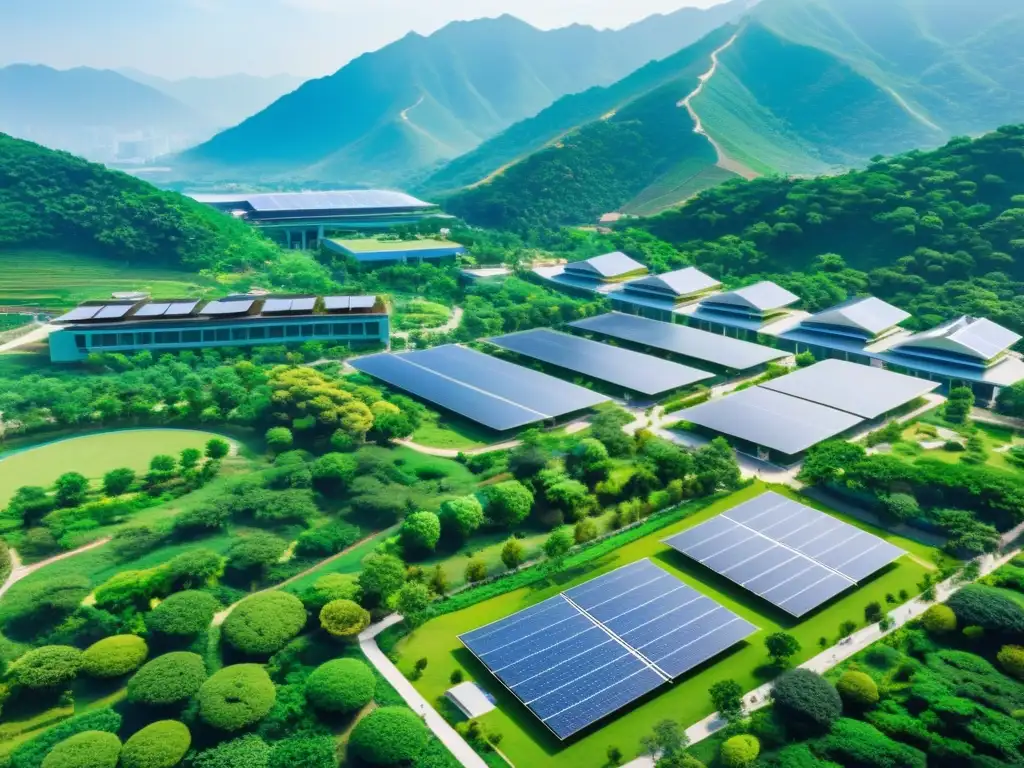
x: 228, y: 307
x: 484, y: 389
x: 583, y: 654
x: 354, y: 199
x: 795, y: 557
x: 713, y: 348
x: 282, y: 306
x: 621, y: 367
x: 348, y: 303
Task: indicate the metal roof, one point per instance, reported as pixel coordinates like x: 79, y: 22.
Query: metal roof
x: 714, y: 348
x: 868, y: 314
x: 682, y: 282
x: 771, y: 419
x: 974, y: 337
x: 350, y: 199
x: 621, y: 367
x: 608, y: 265
x: 759, y: 297
x: 861, y: 390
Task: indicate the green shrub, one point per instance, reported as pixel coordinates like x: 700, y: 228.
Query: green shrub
x: 167, y: 679
x: 304, y: 751
x: 34, y: 607
x: 236, y: 697
x: 246, y: 752
x: 263, y: 624
x: 1011, y: 659
x: 857, y: 690
x: 806, y: 701
x: 327, y: 540
x: 341, y: 685
x: 986, y: 607
x: 32, y: 753
x: 89, y: 749
x: 183, y: 614
x: 344, y: 618
x: 854, y: 743
x: 740, y: 751
x: 162, y: 744
x: 388, y: 736
x: 333, y: 586
x: 939, y: 619
x: 420, y: 533
x: 51, y: 666
x: 114, y: 656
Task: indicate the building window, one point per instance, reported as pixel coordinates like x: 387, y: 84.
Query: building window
x: 356, y: 329
x: 209, y: 335
x: 341, y: 329
x: 239, y: 334
x: 275, y: 332
x: 257, y: 333
x: 223, y: 334
x: 105, y: 340
x: 307, y: 330
x: 144, y: 339
x: 80, y: 341
x: 373, y: 329
x: 191, y: 336
x: 292, y: 331
x: 168, y: 337
x: 127, y: 339
x: 322, y: 330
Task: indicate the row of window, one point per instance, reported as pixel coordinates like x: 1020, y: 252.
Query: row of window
x: 253, y: 333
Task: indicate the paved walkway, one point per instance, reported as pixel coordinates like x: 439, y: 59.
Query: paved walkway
x: 983, y: 416
x: 19, y: 571
x: 832, y: 657
x: 37, y: 334
x: 448, y: 735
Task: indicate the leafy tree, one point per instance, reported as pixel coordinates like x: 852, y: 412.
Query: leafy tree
x: 806, y: 701
x: 168, y: 679
x: 344, y: 618
x: 334, y: 472
x: 569, y: 497
x: 1011, y: 659
x: 183, y: 614
x: 249, y: 751
x: 900, y: 507
x: 341, y: 685
x: 982, y: 606
x: 508, y: 503
x: 192, y: 569
x: 329, y: 539
x: 162, y: 744
x: 236, y: 697
x: 829, y: 461
x: 529, y: 457
x: 264, y: 623
x: 558, y: 544
x: 781, y: 647
x: 412, y: 599
x: 118, y: 481
x: 476, y: 570
x: 114, y: 656
x: 588, y: 461
x: 585, y: 530
x: 939, y: 619
x: 279, y: 439
x: 668, y: 740
x: 250, y: 557
x: 716, y: 467
x: 162, y: 464
x: 438, y: 580
x: 388, y: 736
x: 857, y: 690
x: 89, y: 749
x: 461, y: 517
x: 333, y: 586
x: 30, y: 608
x: 959, y: 404
x: 853, y: 742
x: 513, y: 553
x: 189, y: 458
x: 727, y: 696
x: 217, y: 448
x: 740, y: 751
x: 381, y: 577
x: 30, y: 503
x: 51, y: 666
x: 420, y: 533
x: 71, y: 489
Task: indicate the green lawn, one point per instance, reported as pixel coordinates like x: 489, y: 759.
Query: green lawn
x: 59, y: 279
x: 452, y: 432
x: 21, y: 363
x: 528, y: 743
x: 92, y: 455
x: 992, y: 436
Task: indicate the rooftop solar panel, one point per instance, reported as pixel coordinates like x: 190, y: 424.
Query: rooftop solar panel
x: 113, y: 312
x: 336, y: 303
x: 622, y: 367
x: 304, y: 304
x: 362, y: 302
x: 226, y: 307
x: 152, y: 310
x: 771, y: 419
x: 79, y: 313
x: 181, y: 308
x: 681, y: 340
x: 581, y: 655
x: 795, y: 557
x: 862, y: 390
x: 275, y: 306
x: 355, y: 199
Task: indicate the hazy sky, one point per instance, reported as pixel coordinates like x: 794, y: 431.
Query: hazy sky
x: 179, y: 38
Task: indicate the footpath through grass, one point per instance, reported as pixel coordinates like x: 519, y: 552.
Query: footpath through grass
x: 528, y: 743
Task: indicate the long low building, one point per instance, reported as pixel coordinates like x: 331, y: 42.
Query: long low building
x: 129, y: 326
x: 373, y: 251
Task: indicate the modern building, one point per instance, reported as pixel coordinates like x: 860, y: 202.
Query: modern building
x: 659, y: 296
x: 846, y: 331
x: 301, y: 219
x: 743, y: 313
x: 234, y: 321
x: 600, y: 274
x: 373, y: 251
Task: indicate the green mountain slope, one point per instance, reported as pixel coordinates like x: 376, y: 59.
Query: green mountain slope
x: 52, y: 199
x: 421, y: 100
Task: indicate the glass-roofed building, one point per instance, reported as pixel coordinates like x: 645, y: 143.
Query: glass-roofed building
x: 234, y: 321
x: 301, y: 219
x: 743, y: 313
x: 658, y: 296
x: 846, y: 331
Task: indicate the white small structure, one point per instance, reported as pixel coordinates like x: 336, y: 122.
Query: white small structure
x: 471, y: 699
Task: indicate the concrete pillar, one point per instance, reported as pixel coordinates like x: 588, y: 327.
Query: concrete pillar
x: 319, y: 235
x: 303, y: 238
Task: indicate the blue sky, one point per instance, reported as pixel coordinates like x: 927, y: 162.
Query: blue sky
x: 180, y: 38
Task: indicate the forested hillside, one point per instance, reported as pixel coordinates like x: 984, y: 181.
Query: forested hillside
x: 937, y: 233
x: 54, y: 199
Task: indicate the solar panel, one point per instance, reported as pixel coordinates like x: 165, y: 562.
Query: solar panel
x: 276, y: 306
x: 583, y: 654
x: 236, y: 307
x: 771, y: 419
x: 78, y: 313
x: 336, y: 303
x: 862, y: 390
x: 681, y: 340
x: 336, y: 200
x: 795, y: 557
x: 152, y: 310
x: 622, y: 367
x: 113, y: 311
x: 304, y: 304
x: 181, y: 308
x: 362, y: 302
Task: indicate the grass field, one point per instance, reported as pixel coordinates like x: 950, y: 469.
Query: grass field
x: 993, y: 437
x: 528, y: 743
x: 92, y: 456
x: 687, y: 179
x: 58, y: 279
x: 440, y: 431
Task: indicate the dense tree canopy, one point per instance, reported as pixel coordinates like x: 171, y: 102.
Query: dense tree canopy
x: 167, y: 679
x: 89, y: 749
x: 341, y: 685
x: 159, y: 745
x: 263, y: 624
x: 236, y: 697
x: 388, y: 736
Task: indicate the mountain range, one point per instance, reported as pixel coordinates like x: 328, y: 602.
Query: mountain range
x: 414, y: 104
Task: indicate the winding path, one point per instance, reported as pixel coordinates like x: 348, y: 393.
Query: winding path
x: 19, y: 571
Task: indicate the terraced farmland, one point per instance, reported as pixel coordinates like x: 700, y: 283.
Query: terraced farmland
x: 57, y: 279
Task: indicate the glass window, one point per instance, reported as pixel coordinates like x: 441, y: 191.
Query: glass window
x: 109, y: 339
x: 209, y: 335
x: 223, y: 334
x: 275, y: 332
x: 341, y: 329
x: 239, y: 334
x: 373, y: 329
x: 191, y: 336
x: 144, y: 338
x: 127, y: 339
x: 307, y: 330
x: 257, y: 333
x: 80, y: 340
x: 356, y: 329
x: 167, y: 337
x: 322, y: 329
x: 292, y: 331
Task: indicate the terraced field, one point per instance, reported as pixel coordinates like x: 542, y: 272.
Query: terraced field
x: 57, y: 279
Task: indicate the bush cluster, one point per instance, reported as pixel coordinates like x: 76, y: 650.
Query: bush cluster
x: 114, y: 656
x: 263, y: 624
x: 183, y: 614
x: 167, y: 679
x: 51, y: 666
x: 341, y: 685
x: 89, y: 749
x: 236, y: 697
x: 162, y: 744
x: 388, y: 736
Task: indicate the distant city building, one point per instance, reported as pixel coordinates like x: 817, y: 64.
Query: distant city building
x: 235, y: 321
x: 301, y: 219
x: 371, y: 250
